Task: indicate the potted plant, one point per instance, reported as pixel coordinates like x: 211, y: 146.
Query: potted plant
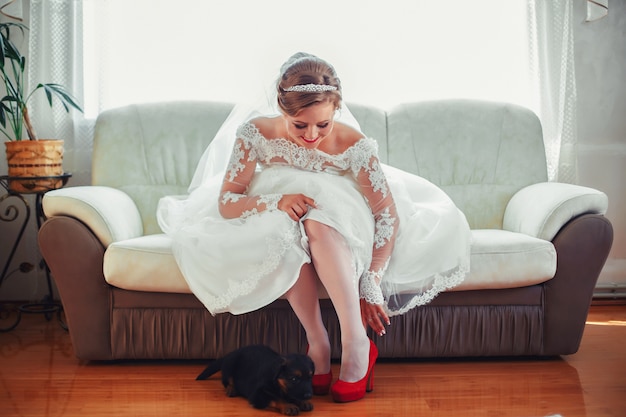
x: 27, y: 155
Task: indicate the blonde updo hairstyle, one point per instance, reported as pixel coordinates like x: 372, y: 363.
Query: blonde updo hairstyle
x: 302, y: 69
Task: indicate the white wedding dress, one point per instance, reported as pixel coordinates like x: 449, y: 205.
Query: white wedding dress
x: 242, y: 264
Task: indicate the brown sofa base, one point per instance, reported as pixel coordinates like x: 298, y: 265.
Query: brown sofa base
x: 475, y: 331
x: 182, y: 328
x: 108, y: 323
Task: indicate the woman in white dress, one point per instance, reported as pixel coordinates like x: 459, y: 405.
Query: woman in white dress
x: 304, y: 199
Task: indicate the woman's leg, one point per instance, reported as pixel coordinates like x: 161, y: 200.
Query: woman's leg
x: 333, y: 262
x: 305, y: 304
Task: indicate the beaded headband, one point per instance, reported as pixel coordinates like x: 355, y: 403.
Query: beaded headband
x: 311, y: 88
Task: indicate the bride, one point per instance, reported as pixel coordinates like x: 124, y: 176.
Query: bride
x: 304, y: 198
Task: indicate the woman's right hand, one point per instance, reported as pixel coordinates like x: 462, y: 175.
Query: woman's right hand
x: 296, y: 205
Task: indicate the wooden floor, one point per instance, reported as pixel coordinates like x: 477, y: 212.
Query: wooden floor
x: 39, y: 376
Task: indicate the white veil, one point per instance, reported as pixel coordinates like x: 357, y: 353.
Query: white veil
x: 213, y: 163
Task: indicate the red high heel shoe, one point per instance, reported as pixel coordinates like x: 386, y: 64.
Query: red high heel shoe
x: 321, y: 382
x: 344, y: 392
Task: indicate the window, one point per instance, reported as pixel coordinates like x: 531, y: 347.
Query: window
x: 385, y: 52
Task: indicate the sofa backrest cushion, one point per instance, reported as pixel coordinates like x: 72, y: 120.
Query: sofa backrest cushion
x: 479, y: 153
x: 151, y: 150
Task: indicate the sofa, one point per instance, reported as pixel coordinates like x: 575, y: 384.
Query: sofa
x: 537, y: 246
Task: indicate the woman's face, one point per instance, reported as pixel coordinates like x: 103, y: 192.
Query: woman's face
x: 312, y: 125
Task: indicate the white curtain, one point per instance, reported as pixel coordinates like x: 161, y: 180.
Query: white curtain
x: 56, y: 56
x: 406, y: 50
x: 552, y: 69
x: 421, y: 54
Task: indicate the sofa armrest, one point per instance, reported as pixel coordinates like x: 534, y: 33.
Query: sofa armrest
x: 582, y: 247
x: 75, y: 255
x: 542, y: 209
x: 110, y: 213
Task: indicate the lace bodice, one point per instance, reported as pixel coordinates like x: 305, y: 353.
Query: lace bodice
x: 360, y: 161
x: 267, y: 152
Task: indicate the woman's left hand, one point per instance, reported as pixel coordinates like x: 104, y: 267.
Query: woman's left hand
x: 374, y: 315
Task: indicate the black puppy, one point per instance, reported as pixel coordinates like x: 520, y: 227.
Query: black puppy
x: 266, y: 378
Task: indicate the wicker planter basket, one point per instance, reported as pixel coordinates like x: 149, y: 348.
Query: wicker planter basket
x: 30, y: 161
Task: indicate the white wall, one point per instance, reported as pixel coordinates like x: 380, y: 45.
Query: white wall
x: 600, y: 54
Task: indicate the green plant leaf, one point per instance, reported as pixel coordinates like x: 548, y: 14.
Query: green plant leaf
x: 13, y: 107
x: 9, y: 50
x: 2, y: 47
x: 61, y: 93
x: 9, y: 98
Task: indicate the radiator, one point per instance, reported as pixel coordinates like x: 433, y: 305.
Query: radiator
x: 610, y: 290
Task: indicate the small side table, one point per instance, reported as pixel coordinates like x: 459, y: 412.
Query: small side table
x: 48, y: 306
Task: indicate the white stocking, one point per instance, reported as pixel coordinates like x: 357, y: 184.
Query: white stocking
x: 333, y: 262
x: 305, y: 304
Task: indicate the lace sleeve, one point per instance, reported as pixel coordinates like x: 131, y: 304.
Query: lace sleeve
x: 371, y: 179
x: 234, y: 202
